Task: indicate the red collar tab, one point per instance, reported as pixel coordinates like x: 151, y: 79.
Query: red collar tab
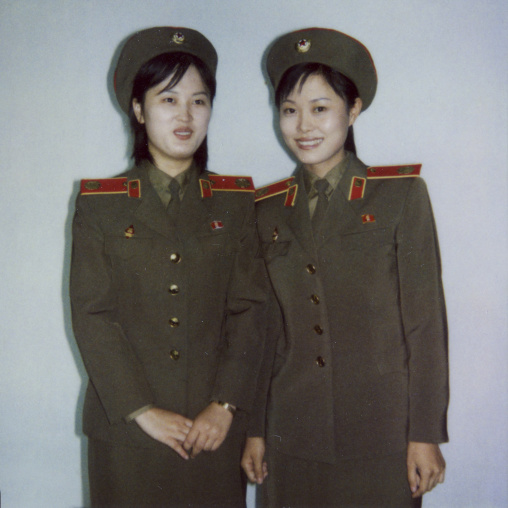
x: 357, y: 189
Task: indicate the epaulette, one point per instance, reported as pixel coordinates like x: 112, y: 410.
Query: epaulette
x: 408, y: 170
x: 225, y: 183
x: 118, y: 185
x: 274, y: 189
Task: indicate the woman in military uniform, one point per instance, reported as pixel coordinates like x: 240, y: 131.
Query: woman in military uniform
x: 165, y: 293
x: 356, y: 390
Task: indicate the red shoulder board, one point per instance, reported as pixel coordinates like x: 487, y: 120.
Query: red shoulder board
x: 274, y: 189
x: 225, y: 183
x: 357, y: 188
x: 408, y: 170
x: 118, y: 185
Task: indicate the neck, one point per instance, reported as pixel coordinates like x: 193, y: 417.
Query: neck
x: 323, y: 168
x: 174, y: 168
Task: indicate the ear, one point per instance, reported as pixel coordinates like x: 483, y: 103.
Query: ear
x: 355, y: 110
x: 138, y: 110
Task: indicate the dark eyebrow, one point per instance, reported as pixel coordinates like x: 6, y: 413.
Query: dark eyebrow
x: 313, y: 100
x: 168, y: 89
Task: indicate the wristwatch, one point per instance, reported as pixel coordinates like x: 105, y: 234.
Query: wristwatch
x: 227, y: 406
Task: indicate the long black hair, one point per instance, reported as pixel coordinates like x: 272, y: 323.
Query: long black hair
x: 152, y: 73
x: 341, y: 85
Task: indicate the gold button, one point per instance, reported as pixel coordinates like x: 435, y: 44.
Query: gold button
x: 174, y: 289
x: 318, y: 330
x: 311, y: 269
x: 174, y: 354
x: 174, y: 322
x: 314, y: 299
x: 175, y: 257
x: 320, y: 361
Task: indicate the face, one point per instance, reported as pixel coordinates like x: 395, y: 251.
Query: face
x: 176, y: 120
x: 314, y: 123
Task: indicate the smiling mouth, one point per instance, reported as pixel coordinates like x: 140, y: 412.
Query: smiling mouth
x: 309, y: 144
x: 183, y: 134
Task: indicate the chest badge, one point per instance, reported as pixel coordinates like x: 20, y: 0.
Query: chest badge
x: 275, y: 235
x: 367, y: 218
x: 216, y: 224
x: 129, y: 232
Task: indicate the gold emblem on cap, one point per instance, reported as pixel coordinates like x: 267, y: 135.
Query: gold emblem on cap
x: 92, y: 185
x: 178, y: 38
x: 405, y: 170
x: 303, y: 45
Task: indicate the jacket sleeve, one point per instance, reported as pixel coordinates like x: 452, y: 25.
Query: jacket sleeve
x: 113, y: 368
x: 424, y: 317
x: 274, y: 335
x: 244, y: 333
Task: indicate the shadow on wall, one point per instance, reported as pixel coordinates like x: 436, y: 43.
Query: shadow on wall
x: 73, y: 346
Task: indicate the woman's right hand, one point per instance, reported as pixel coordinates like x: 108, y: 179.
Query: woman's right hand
x: 169, y: 428
x: 252, y: 461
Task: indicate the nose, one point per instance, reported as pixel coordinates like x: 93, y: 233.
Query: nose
x: 185, y: 113
x: 304, y: 122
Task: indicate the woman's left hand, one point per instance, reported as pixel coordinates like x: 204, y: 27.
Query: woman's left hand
x: 209, y: 429
x: 425, y: 467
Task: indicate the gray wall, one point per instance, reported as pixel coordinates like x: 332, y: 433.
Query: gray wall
x: 441, y: 101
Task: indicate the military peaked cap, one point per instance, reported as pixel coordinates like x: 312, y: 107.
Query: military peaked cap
x: 149, y: 43
x: 328, y: 47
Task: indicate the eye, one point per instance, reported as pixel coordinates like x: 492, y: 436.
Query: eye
x: 169, y: 99
x: 200, y: 102
x: 288, y: 111
x: 320, y: 109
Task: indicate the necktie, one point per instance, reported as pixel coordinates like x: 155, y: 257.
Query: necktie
x: 174, y: 204
x: 321, y: 186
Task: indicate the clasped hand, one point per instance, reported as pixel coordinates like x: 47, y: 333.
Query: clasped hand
x: 188, y: 438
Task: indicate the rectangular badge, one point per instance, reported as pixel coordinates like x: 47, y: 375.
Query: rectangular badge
x: 217, y: 224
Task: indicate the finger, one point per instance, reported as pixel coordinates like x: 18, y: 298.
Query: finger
x: 217, y: 442
x: 441, y: 478
x: 413, y: 479
x: 258, y: 469
x: 191, y: 438
x: 208, y: 446
x: 265, y: 470
x: 198, y: 445
x: 179, y: 449
x: 248, y: 467
x: 424, y: 484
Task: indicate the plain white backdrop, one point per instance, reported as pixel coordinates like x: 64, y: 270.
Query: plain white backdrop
x: 442, y: 101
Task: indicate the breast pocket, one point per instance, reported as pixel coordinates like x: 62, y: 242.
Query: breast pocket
x: 367, y: 240
x: 273, y: 250
x: 218, y: 244
x: 128, y: 248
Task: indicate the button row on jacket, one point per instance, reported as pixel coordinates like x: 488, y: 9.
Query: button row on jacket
x: 174, y: 289
x: 314, y: 299
x: 320, y: 361
x: 311, y: 269
x: 174, y: 354
x: 174, y: 322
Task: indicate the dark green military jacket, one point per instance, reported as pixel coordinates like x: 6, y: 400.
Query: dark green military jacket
x: 361, y: 365
x: 165, y: 312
